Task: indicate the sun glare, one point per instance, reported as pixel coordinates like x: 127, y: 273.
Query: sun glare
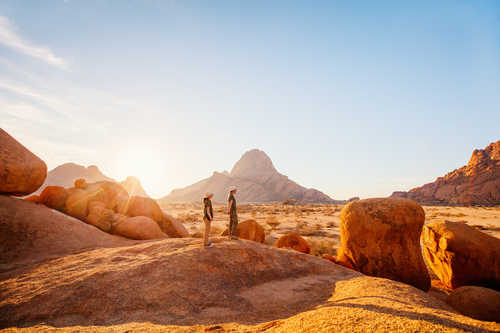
x: 145, y: 163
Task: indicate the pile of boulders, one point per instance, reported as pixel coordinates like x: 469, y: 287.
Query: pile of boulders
x: 107, y: 206
x: 381, y: 237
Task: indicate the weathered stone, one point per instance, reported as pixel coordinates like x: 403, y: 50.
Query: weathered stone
x: 293, y: 241
x: 381, y: 237
x: 21, y: 171
x: 250, y: 230
x: 461, y: 255
x: 139, y: 227
x: 54, y: 197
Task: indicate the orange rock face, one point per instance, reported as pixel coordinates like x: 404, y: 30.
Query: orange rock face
x: 139, y: 227
x: 99, y: 216
x: 81, y: 183
x: 250, y: 230
x: 54, y: 197
x: 381, y: 237
x: 173, y: 227
x: 461, y: 255
x: 76, y: 204
x: 476, y: 302
x: 477, y: 183
x: 294, y: 241
x: 141, y: 206
x: 21, y: 172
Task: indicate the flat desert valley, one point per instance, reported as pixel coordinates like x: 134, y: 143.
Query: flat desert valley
x: 318, y: 223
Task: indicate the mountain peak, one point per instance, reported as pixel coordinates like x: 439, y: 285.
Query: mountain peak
x: 252, y: 164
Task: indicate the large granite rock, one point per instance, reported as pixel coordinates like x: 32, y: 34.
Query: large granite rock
x: 477, y: 183
x: 138, y: 227
x: 54, y: 197
x: 21, y: 171
x: 461, y: 255
x: 381, y: 237
x: 173, y: 227
x: 250, y: 230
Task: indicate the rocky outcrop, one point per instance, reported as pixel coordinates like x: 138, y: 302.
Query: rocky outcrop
x: 134, y: 187
x: 461, y: 255
x: 21, y: 171
x: 257, y: 180
x: 141, y: 206
x: 91, y: 281
x: 106, y: 205
x: 170, y: 281
x: 294, y: 241
x: 249, y: 230
x: 77, y: 204
x: 101, y: 217
x: 381, y: 237
x: 477, y: 183
x: 54, y: 197
x: 476, y: 302
x: 139, y: 227
x: 173, y: 227
x: 33, y: 233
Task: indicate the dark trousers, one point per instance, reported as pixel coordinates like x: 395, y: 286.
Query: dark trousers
x: 233, y: 223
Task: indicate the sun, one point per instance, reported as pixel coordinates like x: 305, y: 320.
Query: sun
x: 144, y: 162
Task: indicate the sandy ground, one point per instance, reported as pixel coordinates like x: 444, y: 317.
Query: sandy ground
x: 319, y: 224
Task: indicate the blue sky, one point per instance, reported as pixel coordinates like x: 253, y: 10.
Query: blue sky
x: 354, y: 98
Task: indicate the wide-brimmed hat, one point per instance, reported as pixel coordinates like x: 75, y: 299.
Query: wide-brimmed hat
x: 208, y: 194
x: 232, y: 188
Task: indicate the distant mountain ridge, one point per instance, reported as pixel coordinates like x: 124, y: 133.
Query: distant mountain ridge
x: 257, y: 180
x: 66, y: 174
x: 477, y: 183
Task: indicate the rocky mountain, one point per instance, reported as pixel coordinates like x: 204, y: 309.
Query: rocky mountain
x: 477, y: 183
x: 66, y: 174
x: 257, y: 180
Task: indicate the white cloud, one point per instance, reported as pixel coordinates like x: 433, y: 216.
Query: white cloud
x: 10, y: 38
x: 53, y: 103
x: 23, y: 111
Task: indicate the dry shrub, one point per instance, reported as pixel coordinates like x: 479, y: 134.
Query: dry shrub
x: 272, y: 222
x: 330, y: 224
x: 307, y: 230
x: 320, y: 247
x: 189, y: 217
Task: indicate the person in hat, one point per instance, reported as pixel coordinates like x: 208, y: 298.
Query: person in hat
x: 208, y: 216
x: 233, y: 216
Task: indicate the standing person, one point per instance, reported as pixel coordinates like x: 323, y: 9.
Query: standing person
x: 208, y: 216
x: 233, y: 216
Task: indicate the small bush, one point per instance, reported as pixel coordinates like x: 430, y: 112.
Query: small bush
x: 320, y: 247
x: 272, y: 222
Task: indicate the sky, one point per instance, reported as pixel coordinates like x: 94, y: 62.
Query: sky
x: 353, y: 98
